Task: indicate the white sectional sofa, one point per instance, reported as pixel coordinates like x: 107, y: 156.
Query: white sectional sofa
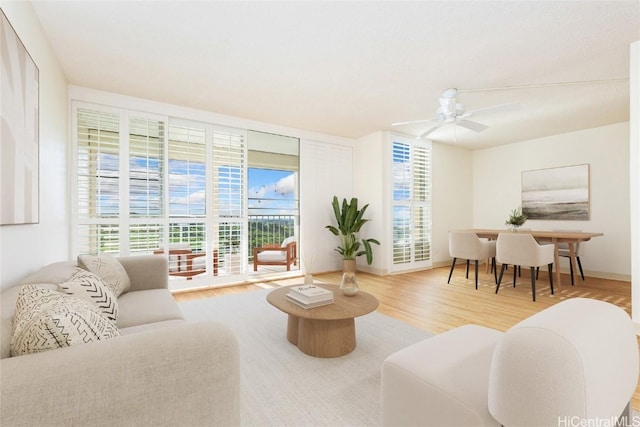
x: 575, y: 363
x: 162, y: 370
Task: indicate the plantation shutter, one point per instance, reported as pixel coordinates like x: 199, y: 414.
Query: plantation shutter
x: 187, y: 187
x: 229, y: 211
x: 98, y: 181
x: 146, y: 188
x: 411, y: 200
x: 119, y: 184
x: 143, y: 186
x: 421, y: 203
x: 187, y: 171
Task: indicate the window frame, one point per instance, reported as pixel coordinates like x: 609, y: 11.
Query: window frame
x: 411, y: 204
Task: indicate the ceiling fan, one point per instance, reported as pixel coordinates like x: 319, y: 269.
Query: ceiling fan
x: 451, y: 112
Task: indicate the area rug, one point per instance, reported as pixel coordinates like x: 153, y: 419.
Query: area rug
x: 281, y: 386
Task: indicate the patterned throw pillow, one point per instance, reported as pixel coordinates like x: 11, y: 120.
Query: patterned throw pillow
x: 109, y: 269
x: 46, y: 319
x: 86, y: 285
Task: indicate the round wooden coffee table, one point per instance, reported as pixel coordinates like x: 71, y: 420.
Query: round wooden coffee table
x: 328, y: 330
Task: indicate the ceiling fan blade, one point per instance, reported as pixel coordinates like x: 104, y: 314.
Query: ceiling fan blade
x: 512, y: 106
x: 474, y: 126
x: 411, y: 122
x: 427, y: 132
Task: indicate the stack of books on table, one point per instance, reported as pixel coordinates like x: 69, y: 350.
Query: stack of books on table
x: 309, y: 296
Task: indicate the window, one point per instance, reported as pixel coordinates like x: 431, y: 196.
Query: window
x: 411, y: 204
x: 187, y: 194
x: 145, y: 178
x: 229, y: 207
x: 139, y: 189
x: 113, y: 195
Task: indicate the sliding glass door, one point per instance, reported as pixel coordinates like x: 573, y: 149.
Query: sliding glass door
x: 155, y: 185
x: 206, y: 200
x: 273, y: 201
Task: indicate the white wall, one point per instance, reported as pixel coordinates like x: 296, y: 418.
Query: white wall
x: 326, y: 170
x: 371, y: 186
x: 452, y: 196
x: 25, y: 248
x: 497, y: 181
x: 634, y: 165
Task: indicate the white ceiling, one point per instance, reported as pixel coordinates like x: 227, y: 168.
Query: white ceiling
x: 350, y: 68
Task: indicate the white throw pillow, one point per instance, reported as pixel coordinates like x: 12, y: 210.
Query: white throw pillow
x: 56, y: 273
x: 46, y: 319
x: 109, y: 269
x: 90, y: 287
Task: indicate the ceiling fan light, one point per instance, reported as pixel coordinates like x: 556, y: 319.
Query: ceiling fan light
x: 449, y: 93
x: 448, y: 105
x: 451, y: 112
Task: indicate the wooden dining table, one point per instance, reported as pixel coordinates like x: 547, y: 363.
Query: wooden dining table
x: 555, y: 237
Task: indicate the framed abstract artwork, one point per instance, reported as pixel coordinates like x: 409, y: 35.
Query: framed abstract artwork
x: 557, y: 193
x: 19, y: 130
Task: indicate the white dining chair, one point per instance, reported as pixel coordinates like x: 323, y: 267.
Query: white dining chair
x: 522, y: 229
x: 467, y: 245
x: 563, y: 251
x: 522, y: 249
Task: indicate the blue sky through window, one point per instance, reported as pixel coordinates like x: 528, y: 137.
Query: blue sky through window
x: 271, y: 192
x: 187, y: 182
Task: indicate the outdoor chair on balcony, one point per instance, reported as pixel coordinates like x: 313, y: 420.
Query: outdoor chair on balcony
x: 183, y: 262
x: 283, y: 254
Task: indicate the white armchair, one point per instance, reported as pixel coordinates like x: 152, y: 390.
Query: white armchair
x: 575, y: 363
x: 520, y: 249
x: 578, y: 358
x: 467, y: 245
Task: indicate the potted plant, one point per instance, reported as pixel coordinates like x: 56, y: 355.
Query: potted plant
x: 350, y: 220
x: 516, y: 219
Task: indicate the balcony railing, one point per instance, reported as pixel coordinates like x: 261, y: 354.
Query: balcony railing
x: 269, y: 229
x: 262, y: 229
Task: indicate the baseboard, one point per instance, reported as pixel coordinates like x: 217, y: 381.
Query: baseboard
x: 601, y: 275
x: 372, y: 270
x: 437, y: 264
x: 587, y: 273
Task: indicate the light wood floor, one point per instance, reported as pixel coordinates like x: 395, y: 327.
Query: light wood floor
x: 424, y: 299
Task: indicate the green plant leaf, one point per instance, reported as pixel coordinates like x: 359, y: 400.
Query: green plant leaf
x: 350, y: 221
